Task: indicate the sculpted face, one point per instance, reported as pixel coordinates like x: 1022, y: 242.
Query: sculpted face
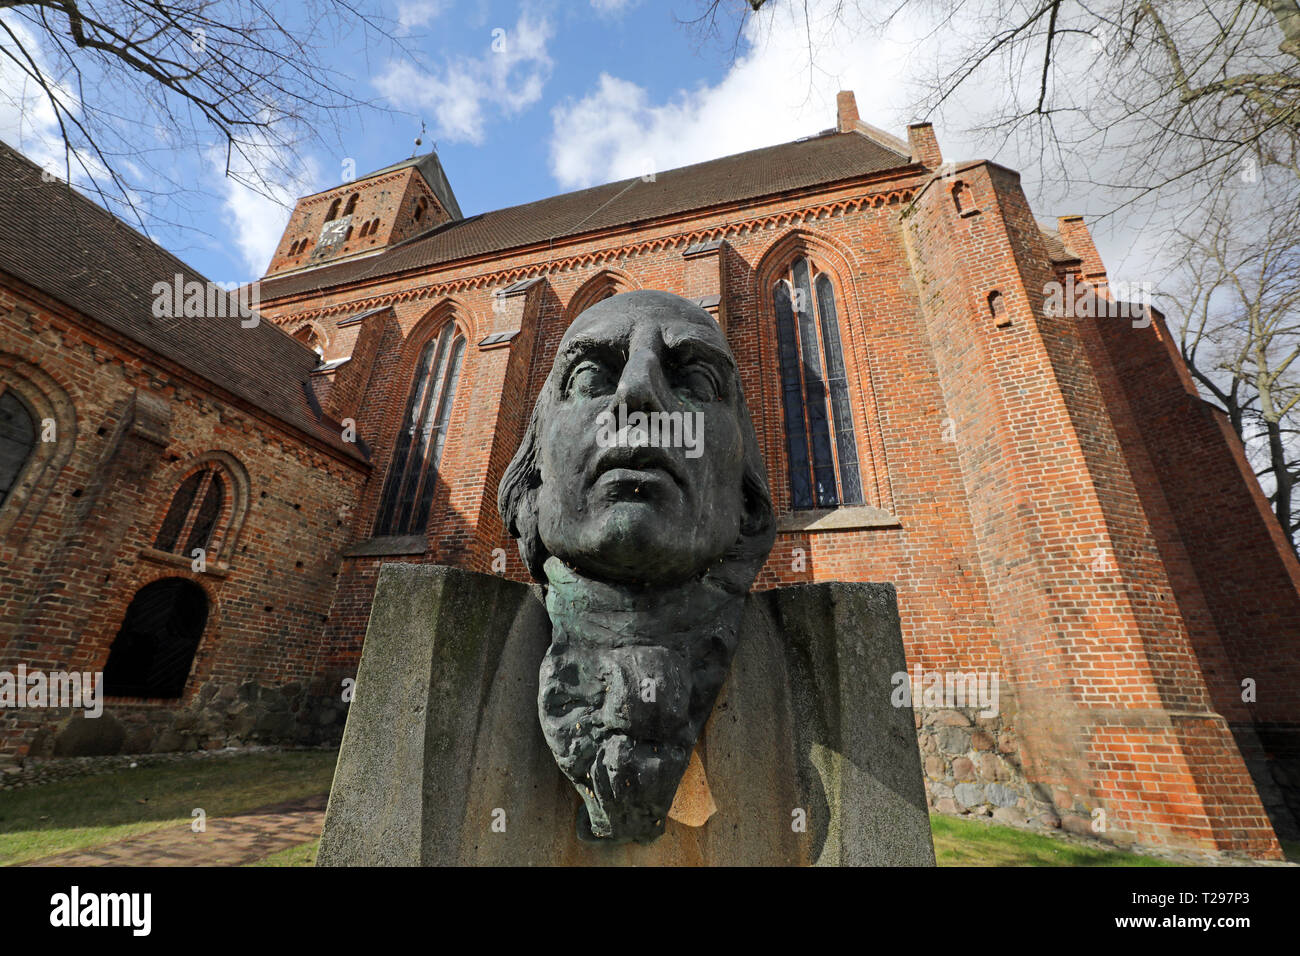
x: 639, y: 498
x: 611, y: 504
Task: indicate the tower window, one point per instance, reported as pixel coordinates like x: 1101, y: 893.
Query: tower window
x: 823, y: 454
x: 334, y: 210
x: 420, y: 208
x: 352, y: 204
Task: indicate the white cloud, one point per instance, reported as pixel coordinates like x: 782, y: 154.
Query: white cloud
x: 772, y: 95
x: 458, y: 96
x: 418, y: 13
x: 27, y: 118
x: 613, y: 7
x: 769, y: 96
x: 256, y: 220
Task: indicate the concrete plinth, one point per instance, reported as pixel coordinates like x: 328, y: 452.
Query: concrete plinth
x: 804, y: 758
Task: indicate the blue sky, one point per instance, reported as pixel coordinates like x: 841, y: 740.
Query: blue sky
x: 529, y: 99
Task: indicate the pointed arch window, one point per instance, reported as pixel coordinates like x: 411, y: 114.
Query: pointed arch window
x: 412, y: 475
x: 17, y: 439
x: 351, y: 207
x: 192, y: 516
x: 334, y: 210
x: 820, y: 442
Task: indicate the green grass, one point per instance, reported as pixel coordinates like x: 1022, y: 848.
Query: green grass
x: 86, y: 812
x: 304, y: 854
x: 970, y: 843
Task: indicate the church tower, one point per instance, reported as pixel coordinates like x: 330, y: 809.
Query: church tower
x: 367, y: 215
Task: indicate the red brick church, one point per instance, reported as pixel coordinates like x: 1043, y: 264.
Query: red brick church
x: 199, y: 507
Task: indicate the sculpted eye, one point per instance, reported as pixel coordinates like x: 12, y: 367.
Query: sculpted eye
x: 591, y: 377
x: 696, y: 381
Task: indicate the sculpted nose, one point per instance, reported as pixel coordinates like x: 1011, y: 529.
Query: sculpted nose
x: 642, y: 386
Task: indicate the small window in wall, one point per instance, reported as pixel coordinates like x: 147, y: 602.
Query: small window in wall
x: 963, y: 200
x: 334, y: 210
x: 420, y: 208
x: 413, y: 473
x: 17, y: 439
x: 352, y: 205
x: 822, y: 451
x: 154, y: 649
x: 193, y: 514
x: 998, y: 310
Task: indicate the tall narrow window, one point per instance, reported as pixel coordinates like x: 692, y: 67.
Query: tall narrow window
x: 412, y: 477
x: 192, y: 516
x: 334, y: 210
x: 351, y: 207
x: 17, y: 439
x: 820, y: 442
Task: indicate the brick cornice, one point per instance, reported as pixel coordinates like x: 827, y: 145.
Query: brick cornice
x: 596, y: 258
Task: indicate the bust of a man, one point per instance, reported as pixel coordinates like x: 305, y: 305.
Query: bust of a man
x: 640, y: 500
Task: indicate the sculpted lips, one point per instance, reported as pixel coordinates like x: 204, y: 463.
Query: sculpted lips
x: 636, y: 464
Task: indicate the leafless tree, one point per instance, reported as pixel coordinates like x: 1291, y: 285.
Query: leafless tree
x: 1240, y: 334
x: 131, y: 80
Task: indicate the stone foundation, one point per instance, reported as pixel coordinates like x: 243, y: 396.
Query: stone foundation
x: 220, y: 715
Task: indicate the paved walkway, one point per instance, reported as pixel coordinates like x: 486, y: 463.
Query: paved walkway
x: 228, y: 841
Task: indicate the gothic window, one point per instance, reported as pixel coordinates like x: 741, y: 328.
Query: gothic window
x: 352, y: 205
x: 412, y: 475
x: 334, y: 210
x: 154, y: 649
x: 17, y: 439
x: 420, y: 208
x: 192, y: 516
x: 820, y: 443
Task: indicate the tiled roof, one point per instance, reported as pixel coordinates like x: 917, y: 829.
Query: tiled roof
x: 58, y: 241
x: 746, y: 176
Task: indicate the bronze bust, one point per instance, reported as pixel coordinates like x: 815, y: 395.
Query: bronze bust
x: 640, y: 500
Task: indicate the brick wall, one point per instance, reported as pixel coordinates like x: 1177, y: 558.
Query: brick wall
x: 74, y: 553
x: 1013, y: 494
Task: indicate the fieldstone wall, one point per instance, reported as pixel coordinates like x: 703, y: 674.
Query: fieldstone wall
x: 220, y: 715
x: 972, y: 768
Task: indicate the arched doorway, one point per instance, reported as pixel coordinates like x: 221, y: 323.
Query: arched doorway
x: 153, y: 651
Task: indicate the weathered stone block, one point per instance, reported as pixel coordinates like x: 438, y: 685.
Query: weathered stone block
x: 443, y: 760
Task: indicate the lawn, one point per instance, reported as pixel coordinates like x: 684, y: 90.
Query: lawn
x: 960, y: 842
x: 86, y: 812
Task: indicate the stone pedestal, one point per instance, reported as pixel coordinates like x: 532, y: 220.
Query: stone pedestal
x: 804, y: 757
